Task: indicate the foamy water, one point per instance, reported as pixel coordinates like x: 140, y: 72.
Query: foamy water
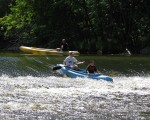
x: 45, y: 98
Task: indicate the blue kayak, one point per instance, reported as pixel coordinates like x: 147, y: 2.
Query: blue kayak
x: 82, y: 73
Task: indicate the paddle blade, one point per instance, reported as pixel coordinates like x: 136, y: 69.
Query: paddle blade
x: 57, y: 68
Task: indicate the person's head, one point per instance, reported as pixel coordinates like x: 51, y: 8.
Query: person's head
x: 71, y: 54
x: 92, y: 62
x: 63, y: 40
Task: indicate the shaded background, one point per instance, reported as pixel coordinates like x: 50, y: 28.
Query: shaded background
x: 89, y: 26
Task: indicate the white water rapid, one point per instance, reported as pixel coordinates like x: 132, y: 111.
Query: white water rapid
x: 56, y: 98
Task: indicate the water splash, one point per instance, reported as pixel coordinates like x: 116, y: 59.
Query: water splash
x: 26, y: 97
x: 29, y: 90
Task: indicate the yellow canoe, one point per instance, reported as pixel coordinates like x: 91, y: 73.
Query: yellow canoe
x: 44, y: 51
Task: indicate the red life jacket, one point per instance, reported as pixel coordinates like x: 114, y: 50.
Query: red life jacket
x: 91, y: 69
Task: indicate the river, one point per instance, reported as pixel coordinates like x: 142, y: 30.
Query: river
x: 29, y: 90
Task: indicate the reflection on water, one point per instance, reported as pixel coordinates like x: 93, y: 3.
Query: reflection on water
x: 45, y: 98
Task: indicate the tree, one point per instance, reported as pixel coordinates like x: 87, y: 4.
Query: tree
x: 88, y: 25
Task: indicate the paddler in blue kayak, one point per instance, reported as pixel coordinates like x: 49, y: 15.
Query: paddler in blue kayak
x: 71, y: 61
x: 91, y: 68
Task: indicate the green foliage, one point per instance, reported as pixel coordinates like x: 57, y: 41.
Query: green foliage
x: 119, y: 24
x: 18, y: 22
x: 21, y: 15
x: 4, y: 7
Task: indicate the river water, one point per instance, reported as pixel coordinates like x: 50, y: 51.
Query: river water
x: 30, y: 91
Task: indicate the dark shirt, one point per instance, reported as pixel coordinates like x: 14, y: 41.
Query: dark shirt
x: 65, y: 46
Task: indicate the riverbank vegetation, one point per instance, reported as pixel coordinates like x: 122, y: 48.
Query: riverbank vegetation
x: 106, y: 26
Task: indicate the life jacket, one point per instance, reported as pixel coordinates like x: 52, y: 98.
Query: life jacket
x: 91, y: 69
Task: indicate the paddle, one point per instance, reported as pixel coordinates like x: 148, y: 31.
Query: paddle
x: 59, y: 67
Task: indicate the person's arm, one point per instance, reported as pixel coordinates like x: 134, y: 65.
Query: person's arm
x: 75, y: 61
x: 87, y: 69
x: 78, y: 62
x: 65, y: 61
x: 61, y: 47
